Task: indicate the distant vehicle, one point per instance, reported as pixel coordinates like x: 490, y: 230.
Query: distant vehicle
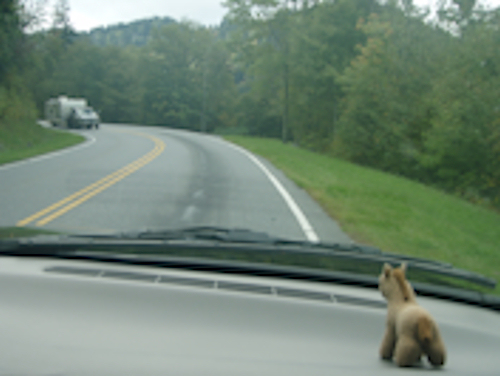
x: 71, y: 113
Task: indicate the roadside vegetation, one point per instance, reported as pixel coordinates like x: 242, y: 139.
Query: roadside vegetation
x: 28, y: 140
x: 17, y: 232
x: 393, y: 213
x: 20, y: 136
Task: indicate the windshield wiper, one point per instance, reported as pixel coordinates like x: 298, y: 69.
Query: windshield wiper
x: 349, y: 250
x: 215, y: 233
x: 233, y: 241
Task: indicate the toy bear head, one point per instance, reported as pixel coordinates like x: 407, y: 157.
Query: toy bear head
x: 393, y: 285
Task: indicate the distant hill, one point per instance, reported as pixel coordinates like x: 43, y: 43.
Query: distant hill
x: 125, y: 34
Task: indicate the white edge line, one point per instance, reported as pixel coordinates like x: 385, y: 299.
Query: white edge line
x: 297, y: 212
x: 90, y: 141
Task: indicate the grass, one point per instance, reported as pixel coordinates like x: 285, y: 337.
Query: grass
x: 28, y: 140
x: 17, y: 232
x: 390, y: 212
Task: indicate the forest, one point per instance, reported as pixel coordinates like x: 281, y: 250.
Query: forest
x: 384, y: 84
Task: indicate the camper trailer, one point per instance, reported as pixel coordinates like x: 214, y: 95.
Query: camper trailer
x: 67, y: 112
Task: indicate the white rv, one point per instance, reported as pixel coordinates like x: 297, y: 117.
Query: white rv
x: 71, y: 113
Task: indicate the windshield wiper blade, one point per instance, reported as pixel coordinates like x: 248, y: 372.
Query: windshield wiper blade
x: 370, y: 253
x: 237, y: 240
x: 349, y: 250
x: 214, y: 233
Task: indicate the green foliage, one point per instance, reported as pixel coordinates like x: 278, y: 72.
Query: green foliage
x: 20, y: 136
x: 16, y: 109
x: 292, y: 54
x: 461, y: 146
x: 422, y: 103
x: 13, y: 108
x: 186, y: 79
x: 325, y: 45
x: 137, y: 33
x: 260, y: 42
x: 30, y: 139
x: 11, y: 39
x: 385, y: 108
x: 19, y: 232
x: 172, y: 76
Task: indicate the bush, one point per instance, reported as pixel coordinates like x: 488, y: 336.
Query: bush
x: 17, y: 120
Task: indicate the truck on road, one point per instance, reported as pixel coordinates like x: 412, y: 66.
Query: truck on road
x: 71, y: 113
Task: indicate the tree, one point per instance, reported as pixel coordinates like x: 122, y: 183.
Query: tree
x: 325, y: 43
x: 16, y: 107
x: 262, y: 40
x: 172, y: 77
x: 11, y: 39
x: 291, y: 54
x: 462, y: 149
x: 386, y: 111
x: 186, y: 79
x: 218, y: 88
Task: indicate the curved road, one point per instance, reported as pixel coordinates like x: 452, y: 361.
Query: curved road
x: 134, y: 178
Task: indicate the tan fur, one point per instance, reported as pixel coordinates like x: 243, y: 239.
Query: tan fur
x: 410, y: 331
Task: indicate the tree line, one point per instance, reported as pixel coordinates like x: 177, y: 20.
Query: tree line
x: 379, y: 83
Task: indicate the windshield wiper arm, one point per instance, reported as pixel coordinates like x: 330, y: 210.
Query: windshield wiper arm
x: 239, y: 240
x: 221, y: 234
x: 349, y: 250
x: 369, y: 253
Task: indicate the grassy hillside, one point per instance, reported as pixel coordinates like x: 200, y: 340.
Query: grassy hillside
x: 29, y: 139
x: 392, y: 213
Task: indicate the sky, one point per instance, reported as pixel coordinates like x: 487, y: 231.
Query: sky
x: 87, y: 14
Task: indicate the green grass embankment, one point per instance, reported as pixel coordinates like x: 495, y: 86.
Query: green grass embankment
x: 28, y: 140
x: 390, y: 212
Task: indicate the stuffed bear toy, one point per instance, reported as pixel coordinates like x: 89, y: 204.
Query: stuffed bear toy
x: 410, y: 332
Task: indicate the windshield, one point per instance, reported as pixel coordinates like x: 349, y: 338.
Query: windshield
x: 317, y: 123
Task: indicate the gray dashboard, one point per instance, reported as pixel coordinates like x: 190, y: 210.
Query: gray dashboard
x: 60, y: 317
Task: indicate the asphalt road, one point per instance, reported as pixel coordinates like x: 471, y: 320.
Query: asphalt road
x: 135, y: 178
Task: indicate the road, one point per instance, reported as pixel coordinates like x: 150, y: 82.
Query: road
x: 134, y: 178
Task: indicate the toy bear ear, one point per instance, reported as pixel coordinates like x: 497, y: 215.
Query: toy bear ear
x: 387, y: 270
x: 404, y: 267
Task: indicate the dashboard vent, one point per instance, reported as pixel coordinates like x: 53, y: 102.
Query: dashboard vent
x: 251, y: 288
x: 245, y: 287
x: 75, y: 271
x: 131, y: 276
x: 352, y: 300
x: 304, y: 294
x: 196, y: 282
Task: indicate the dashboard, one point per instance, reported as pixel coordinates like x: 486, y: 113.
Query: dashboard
x: 64, y: 317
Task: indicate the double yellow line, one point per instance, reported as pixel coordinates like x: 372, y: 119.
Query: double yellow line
x: 61, y: 207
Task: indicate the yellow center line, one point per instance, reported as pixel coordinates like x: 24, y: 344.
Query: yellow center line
x: 93, y: 189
